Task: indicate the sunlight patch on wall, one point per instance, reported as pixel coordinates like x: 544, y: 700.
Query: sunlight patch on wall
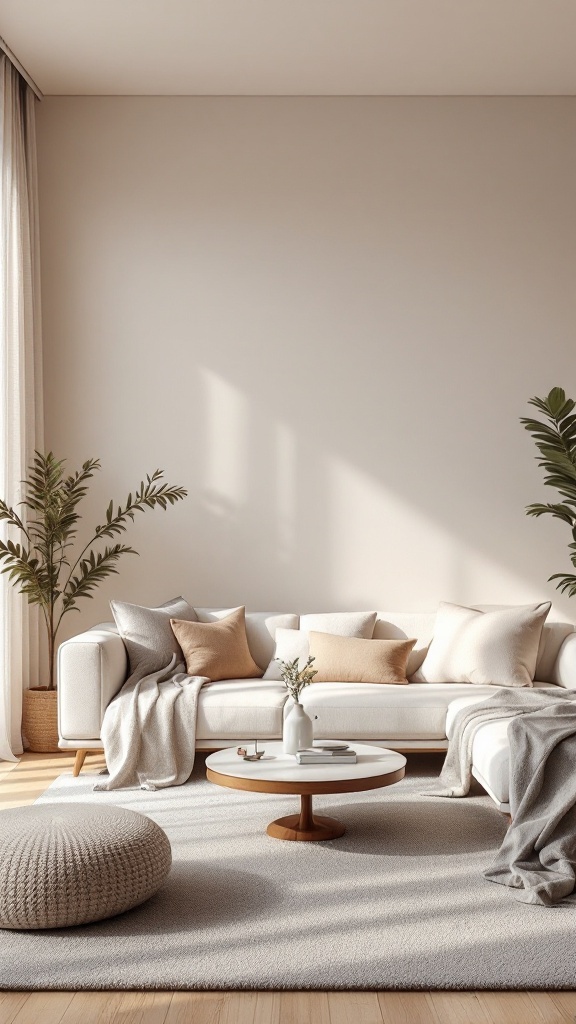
x: 225, y: 443
x: 286, y: 483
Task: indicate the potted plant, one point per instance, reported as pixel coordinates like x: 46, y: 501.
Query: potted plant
x: 41, y: 564
x: 298, y: 730
x: 556, y: 443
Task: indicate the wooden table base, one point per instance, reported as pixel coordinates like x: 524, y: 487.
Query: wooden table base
x: 305, y: 827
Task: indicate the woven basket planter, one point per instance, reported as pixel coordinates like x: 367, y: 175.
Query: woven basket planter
x: 40, y: 720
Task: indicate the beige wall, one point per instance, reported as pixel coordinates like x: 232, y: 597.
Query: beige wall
x: 324, y: 318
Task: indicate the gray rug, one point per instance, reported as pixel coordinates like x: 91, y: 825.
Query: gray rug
x: 397, y: 902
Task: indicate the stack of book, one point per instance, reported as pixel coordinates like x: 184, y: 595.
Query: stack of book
x: 327, y: 753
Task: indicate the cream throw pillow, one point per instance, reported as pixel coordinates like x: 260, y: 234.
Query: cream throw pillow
x: 340, y: 623
x: 290, y: 644
x: 495, y: 648
x: 347, y: 659
x: 218, y: 649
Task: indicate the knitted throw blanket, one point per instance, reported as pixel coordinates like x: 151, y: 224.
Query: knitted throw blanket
x: 149, y: 730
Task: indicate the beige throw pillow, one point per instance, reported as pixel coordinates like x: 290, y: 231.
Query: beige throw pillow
x: 218, y: 649
x: 494, y: 648
x: 346, y: 659
x: 260, y: 629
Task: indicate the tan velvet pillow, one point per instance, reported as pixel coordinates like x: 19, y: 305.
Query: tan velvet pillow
x: 218, y: 649
x: 347, y: 659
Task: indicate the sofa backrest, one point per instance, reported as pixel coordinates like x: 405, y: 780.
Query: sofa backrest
x: 553, y: 636
x: 261, y: 630
x: 409, y: 625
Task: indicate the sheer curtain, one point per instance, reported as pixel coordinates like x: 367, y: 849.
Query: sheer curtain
x: 20, y: 376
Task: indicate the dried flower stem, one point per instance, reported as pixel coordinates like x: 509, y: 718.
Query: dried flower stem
x: 295, y: 678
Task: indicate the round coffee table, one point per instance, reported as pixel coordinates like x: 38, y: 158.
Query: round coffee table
x: 278, y: 772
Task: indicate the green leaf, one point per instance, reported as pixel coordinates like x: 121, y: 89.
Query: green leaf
x: 558, y: 511
x: 566, y: 583
x: 556, y: 401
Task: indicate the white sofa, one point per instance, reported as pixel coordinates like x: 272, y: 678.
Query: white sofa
x: 92, y: 668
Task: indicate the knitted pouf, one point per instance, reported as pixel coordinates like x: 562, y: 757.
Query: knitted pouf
x: 68, y: 864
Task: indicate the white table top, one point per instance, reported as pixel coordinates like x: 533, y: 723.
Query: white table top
x: 276, y: 766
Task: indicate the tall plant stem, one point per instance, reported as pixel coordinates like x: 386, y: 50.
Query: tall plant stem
x: 51, y: 647
x: 51, y: 632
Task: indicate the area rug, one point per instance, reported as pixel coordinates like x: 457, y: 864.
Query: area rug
x: 399, y: 902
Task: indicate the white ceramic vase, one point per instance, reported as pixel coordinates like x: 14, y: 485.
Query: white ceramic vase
x: 298, y: 730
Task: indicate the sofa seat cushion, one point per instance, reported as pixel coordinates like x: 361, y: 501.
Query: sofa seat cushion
x: 240, y: 709
x: 364, y: 711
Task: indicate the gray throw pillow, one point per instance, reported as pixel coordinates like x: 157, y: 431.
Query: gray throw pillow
x: 147, y: 633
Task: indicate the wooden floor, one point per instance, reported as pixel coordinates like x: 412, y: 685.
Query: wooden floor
x: 22, y: 783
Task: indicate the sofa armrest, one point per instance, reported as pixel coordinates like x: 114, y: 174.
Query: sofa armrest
x: 564, y: 668
x: 92, y: 668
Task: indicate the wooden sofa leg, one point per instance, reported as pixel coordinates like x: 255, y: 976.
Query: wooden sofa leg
x: 80, y: 758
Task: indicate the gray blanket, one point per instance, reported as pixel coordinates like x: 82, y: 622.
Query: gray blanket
x: 538, y: 854
x: 149, y: 730
x: 456, y: 774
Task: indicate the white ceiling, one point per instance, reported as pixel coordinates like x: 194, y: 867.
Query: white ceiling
x: 295, y: 47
